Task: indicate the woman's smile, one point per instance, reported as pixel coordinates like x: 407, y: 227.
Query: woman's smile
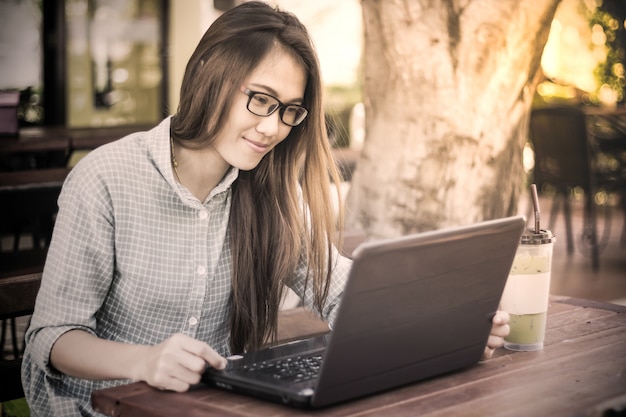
x: 258, y: 146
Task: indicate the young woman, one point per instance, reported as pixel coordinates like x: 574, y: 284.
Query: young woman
x: 172, y: 247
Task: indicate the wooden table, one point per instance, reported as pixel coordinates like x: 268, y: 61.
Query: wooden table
x: 36, y: 140
x: 580, y: 372
x: 52, y: 146
x: 33, y: 139
x: 33, y: 178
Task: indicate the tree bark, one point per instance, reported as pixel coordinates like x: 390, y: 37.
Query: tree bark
x: 447, y: 89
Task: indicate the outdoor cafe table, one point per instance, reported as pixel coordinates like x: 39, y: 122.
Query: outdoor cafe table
x: 580, y: 372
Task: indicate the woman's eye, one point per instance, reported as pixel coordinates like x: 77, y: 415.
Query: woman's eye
x: 260, y: 100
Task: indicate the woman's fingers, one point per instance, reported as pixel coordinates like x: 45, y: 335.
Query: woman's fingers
x: 499, y: 330
x: 178, y: 363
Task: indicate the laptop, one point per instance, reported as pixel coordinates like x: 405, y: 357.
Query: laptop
x: 414, y: 307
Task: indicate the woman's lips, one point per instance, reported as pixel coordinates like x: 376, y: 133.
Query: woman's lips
x: 257, y: 146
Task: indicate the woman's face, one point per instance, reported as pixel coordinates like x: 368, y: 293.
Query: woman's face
x: 246, y: 137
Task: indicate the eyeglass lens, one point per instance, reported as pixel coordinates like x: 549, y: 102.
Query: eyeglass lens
x: 263, y: 104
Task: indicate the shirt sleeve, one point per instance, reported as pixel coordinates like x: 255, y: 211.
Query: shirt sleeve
x: 79, y: 266
x: 338, y: 283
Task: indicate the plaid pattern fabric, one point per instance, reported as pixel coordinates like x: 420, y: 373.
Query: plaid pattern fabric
x: 134, y: 258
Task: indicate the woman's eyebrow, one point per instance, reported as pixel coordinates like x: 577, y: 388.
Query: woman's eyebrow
x: 273, y: 92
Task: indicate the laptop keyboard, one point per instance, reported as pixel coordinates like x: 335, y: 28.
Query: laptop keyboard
x: 294, y: 369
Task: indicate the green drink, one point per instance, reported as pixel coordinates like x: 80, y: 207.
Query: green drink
x: 527, y: 290
x: 527, y: 328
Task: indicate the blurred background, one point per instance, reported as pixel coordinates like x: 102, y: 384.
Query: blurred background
x: 75, y: 74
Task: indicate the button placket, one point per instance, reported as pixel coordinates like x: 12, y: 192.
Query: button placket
x: 199, y: 285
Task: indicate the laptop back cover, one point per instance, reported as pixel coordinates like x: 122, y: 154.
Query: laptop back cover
x: 417, y: 307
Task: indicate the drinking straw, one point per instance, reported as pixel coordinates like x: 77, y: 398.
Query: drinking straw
x: 533, y: 189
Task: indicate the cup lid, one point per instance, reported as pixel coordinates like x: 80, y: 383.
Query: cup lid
x: 529, y: 237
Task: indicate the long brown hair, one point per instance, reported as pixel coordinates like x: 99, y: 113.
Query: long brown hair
x: 273, y: 226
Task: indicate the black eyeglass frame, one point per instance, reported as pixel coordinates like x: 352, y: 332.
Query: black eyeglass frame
x: 281, y: 106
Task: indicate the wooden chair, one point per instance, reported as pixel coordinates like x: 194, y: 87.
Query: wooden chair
x: 607, y: 129
x: 17, y: 299
x: 19, y: 283
x: 563, y: 160
x: 10, y: 380
x: 29, y: 206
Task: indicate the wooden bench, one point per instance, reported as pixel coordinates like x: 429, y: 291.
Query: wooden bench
x: 29, y: 206
x: 17, y: 298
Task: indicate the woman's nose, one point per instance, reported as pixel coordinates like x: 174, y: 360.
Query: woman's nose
x: 269, y: 125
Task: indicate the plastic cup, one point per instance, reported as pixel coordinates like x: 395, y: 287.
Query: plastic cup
x: 527, y: 290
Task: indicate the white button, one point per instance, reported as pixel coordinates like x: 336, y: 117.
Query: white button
x: 193, y: 321
x: 201, y: 270
x: 203, y: 215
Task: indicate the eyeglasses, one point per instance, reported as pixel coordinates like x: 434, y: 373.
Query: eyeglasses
x: 262, y: 104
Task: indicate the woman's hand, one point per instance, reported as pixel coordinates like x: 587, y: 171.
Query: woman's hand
x: 174, y: 364
x: 499, y: 330
x: 178, y: 362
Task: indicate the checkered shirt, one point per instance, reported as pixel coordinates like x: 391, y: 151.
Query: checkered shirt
x: 134, y: 258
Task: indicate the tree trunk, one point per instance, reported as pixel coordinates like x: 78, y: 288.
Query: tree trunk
x: 447, y: 91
